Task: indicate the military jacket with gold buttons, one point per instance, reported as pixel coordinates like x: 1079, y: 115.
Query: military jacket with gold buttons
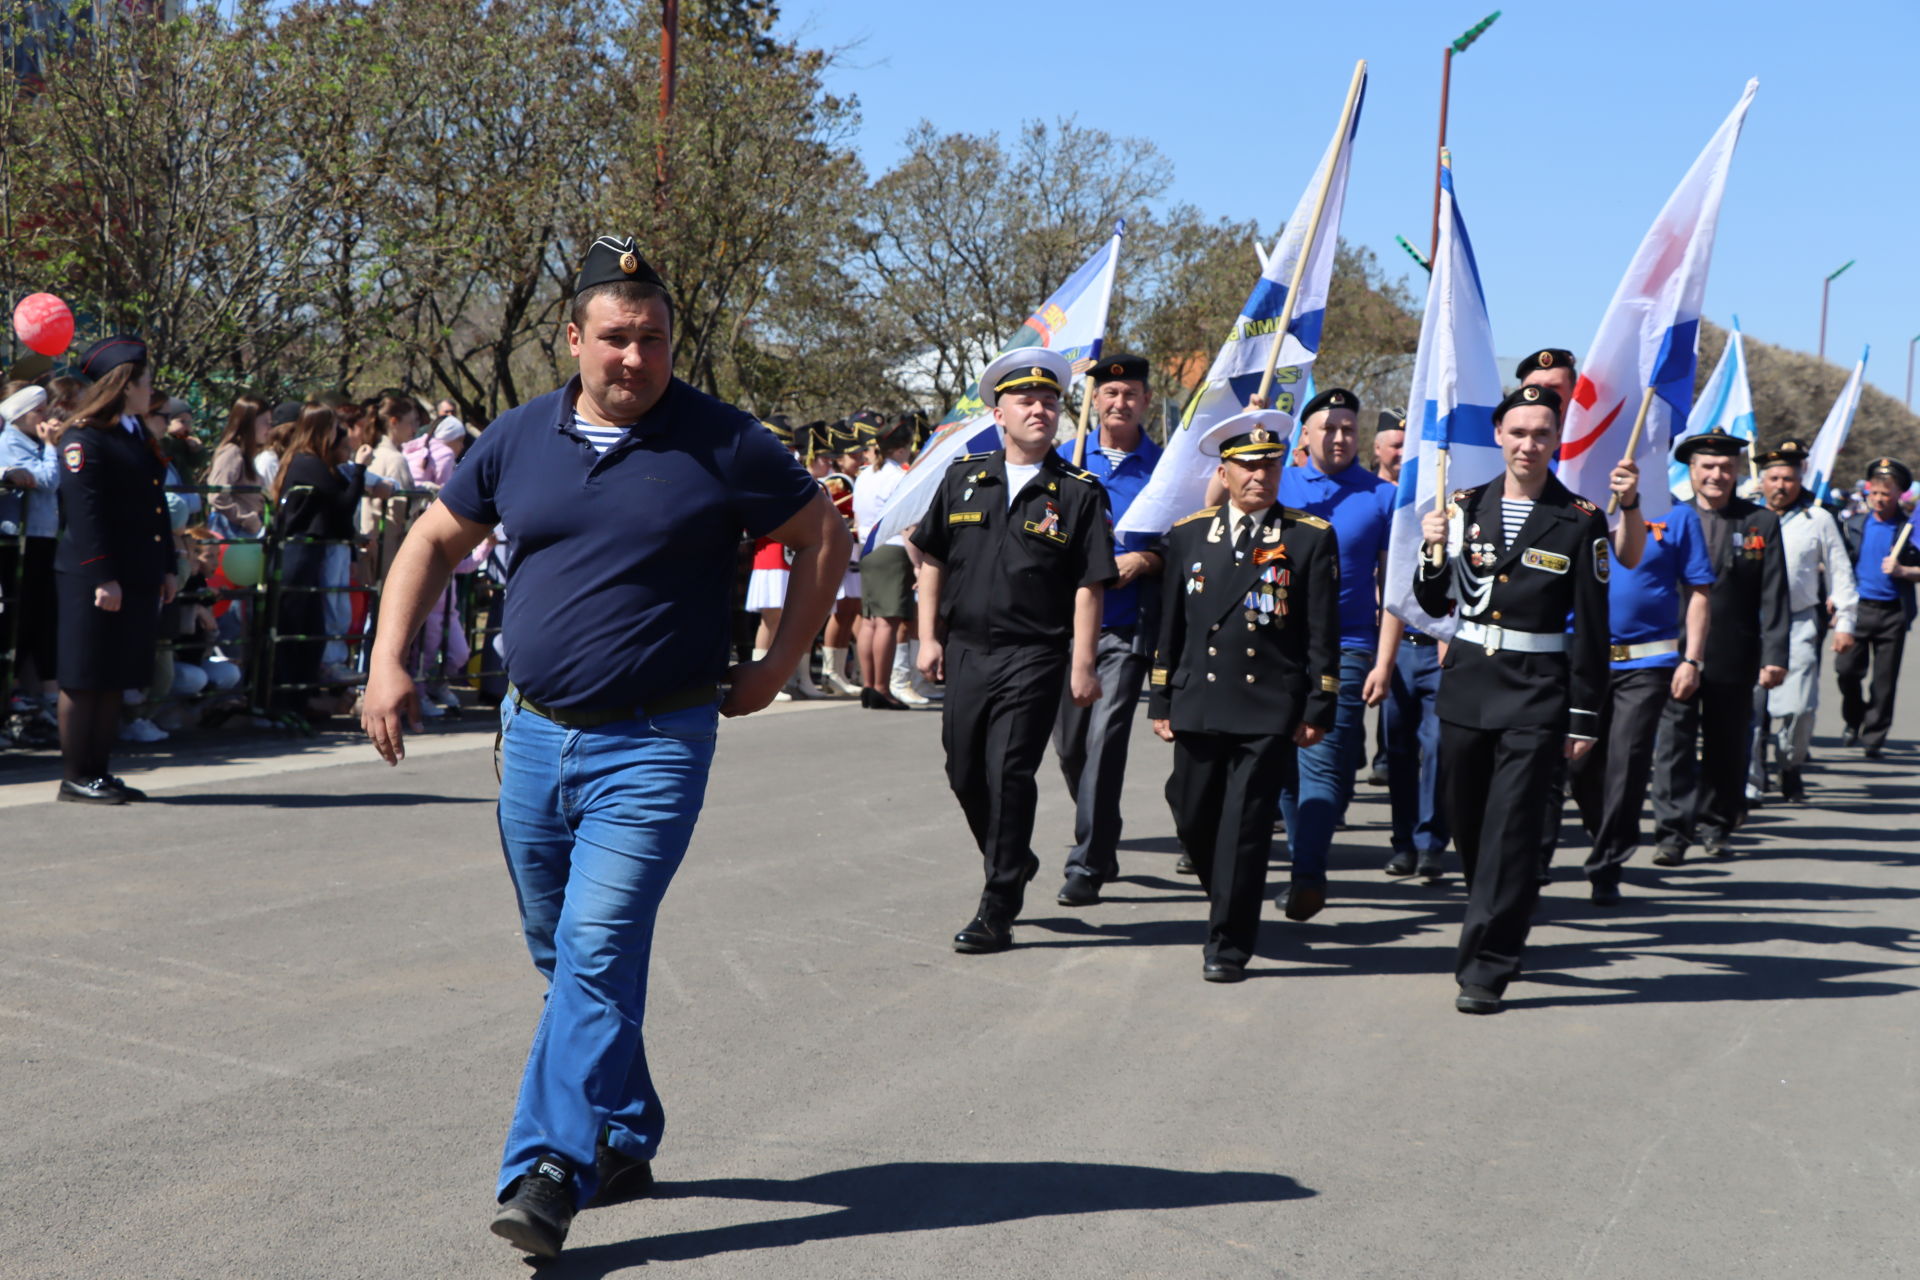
x: 113, y: 502
x: 1248, y: 645
x: 1012, y: 570
x: 1555, y: 568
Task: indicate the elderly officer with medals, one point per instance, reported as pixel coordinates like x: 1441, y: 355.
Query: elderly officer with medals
x: 1700, y: 755
x: 1516, y: 557
x: 1019, y: 552
x: 1815, y: 551
x: 1247, y: 672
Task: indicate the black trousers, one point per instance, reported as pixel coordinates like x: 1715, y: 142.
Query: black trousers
x: 1223, y: 792
x: 1092, y: 745
x: 1610, y: 781
x: 1880, y: 637
x: 994, y: 722
x: 1700, y: 763
x: 1496, y: 784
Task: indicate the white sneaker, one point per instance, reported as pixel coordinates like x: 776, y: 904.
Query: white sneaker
x: 837, y: 683
x: 783, y: 696
x: 902, y: 689
x: 142, y: 730
x: 926, y: 688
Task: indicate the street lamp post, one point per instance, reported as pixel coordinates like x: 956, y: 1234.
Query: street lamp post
x: 1824, y: 290
x: 1910, y: 343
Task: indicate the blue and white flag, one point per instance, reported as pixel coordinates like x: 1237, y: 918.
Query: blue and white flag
x: 1726, y: 401
x: 1073, y: 322
x: 1179, y: 483
x: 1456, y: 387
x: 1833, y: 433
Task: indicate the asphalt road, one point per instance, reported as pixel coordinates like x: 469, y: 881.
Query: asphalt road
x: 271, y: 1025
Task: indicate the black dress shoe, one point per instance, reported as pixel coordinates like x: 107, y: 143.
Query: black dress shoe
x: 98, y: 791
x: 1873, y: 753
x: 983, y: 935
x: 622, y: 1177
x: 1301, y: 901
x: 1792, y: 786
x: 538, y: 1209
x: 131, y: 793
x: 866, y: 698
x: 1715, y: 847
x: 1849, y: 737
x: 1605, y: 895
x: 1669, y: 856
x: 1430, y: 869
x: 1477, y: 1000
x: 1079, y: 891
x: 1223, y: 971
x: 1185, y: 866
x: 1376, y: 777
x: 1400, y: 864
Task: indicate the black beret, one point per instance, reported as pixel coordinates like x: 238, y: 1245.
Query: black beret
x: 1545, y: 358
x: 1788, y: 453
x: 613, y: 259
x: 286, y: 411
x: 1390, y: 420
x: 1331, y: 398
x: 1891, y: 469
x: 1528, y: 396
x: 1717, y: 443
x: 1119, y: 368
x: 108, y: 354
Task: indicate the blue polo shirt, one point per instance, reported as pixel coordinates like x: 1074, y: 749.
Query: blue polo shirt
x: 1876, y: 541
x: 621, y: 574
x: 1643, y: 603
x: 1123, y: 481
x: 1359, y: 506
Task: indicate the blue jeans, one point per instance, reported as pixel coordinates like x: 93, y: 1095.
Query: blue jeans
x: 1314, y: 798
x: 1413, y: 752
x: 594, y: 823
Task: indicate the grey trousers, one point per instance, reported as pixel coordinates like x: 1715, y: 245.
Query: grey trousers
x: 1792, y: 705
x: 1092, y: 745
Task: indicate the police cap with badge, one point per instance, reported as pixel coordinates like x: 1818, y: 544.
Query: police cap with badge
x: 1894, y: 472
x: 1119, y: 368
x: 1331, y: 398
x: 1025, y: 369
x: 1788, y: 453
x: 1256, y: 435
x: 1544, y: 359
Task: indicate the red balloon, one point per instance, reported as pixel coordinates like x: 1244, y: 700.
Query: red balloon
x: 44, y: 323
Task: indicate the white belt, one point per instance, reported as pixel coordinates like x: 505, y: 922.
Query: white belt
x: 1647, y: 649
x: 1497, y: 638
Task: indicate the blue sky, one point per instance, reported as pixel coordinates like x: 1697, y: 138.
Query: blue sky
x: 1571, y: 122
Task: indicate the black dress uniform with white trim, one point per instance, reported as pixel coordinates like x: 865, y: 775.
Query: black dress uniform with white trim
x: 1249, y: 649
x: 1013, y: 566
x: 1518, y: 683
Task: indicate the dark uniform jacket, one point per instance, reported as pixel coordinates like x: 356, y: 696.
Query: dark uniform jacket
x: 1750, y: 603
x: 1219, y: 668
x: 1556, y: 568
x: 1012, y: 573
x: 114, y: 502
x: 1853, y: 531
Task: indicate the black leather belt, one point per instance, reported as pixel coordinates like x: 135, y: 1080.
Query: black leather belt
x: 1420, y: 638
x: 593, y: 717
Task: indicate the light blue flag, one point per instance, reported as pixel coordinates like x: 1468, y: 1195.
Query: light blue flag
x: 1726, y: 401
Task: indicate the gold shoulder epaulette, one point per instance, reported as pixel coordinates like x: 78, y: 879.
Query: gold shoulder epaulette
x: 965, y: 458
x: 1078, y: 474
x: 1585, y: 506
x: 1301, y: 517
x: 1461, y: 495
x: 1202, y: 514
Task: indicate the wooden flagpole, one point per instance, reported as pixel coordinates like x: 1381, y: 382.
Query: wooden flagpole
x: 1633, y: 441
x: 1313, y: 232
x: 1086, y: 410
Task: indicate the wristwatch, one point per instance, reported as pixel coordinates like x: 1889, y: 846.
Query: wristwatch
x: 1632, y: 506
x: 1694, y: 663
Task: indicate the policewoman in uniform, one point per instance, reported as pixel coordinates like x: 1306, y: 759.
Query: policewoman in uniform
x: 1019, y: 552
x: 114, y: 568
x: 1247, y: 672
x: 1515, y: 558
x: 625, y: 493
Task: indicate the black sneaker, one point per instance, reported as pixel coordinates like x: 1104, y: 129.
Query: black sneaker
x: 538, y: 1209
x: 622, y: 1177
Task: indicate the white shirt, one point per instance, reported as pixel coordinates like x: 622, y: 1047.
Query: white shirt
x: 1017, y: 477
x: 1238, y: 520
x: 1812, y: 541
x: 871, y: 490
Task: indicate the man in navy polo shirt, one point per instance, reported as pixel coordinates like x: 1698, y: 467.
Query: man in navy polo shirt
x: 1359, y: 506
x: 1644, y: 609
x: 1886, y: 564
x: 626, y: 493
x: 1092, y: 741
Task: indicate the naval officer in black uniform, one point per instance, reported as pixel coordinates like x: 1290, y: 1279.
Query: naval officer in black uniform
x: 1247, y: 671
x: 1019, y: 550
x: 1521, y: 690
x: 115, y: 566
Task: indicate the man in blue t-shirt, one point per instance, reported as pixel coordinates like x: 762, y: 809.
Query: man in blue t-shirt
x: 1645, y: 607
x: 1886, y: 564
x: 1091, y: 741
x: 1359, y: 506
x: 626, y: 494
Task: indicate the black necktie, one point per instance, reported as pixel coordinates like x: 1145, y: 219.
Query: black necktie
x: 1243, y: 538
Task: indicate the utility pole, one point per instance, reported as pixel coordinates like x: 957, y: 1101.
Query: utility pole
x: 1824, y: 290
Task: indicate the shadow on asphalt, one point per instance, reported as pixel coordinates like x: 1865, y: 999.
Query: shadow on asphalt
x: 297, y: 800
x: 886, y: 1199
